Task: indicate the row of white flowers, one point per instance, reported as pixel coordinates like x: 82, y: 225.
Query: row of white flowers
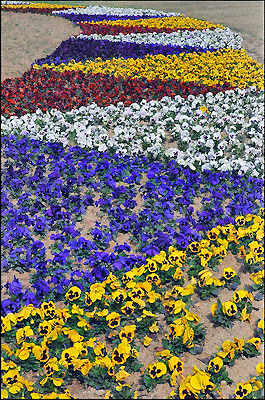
x: 102, y: 10
x: 217, y: 39
x: 223, y: 131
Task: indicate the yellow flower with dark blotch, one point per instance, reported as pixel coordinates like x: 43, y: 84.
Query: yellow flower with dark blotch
x: 13, y: 381
x: 23, y: 333
x: 256, y: 248
x: 229, y: 273
x: 147, y: 286
x: 5, y: 366
x: 189, y: 289
x: 81, y: 347
x: 154, y: 328
x: 250, y: 258
x: 114, y: 320
x: 41, y: 352
x: 215, y: 364
x: 153, y: 279
x: 82, y: 323
x: 256, y: 341
x: 25, y: 351
x: 147, y: 341
x: 205, y: 243
x: 128, y: 308
x: 49, y: 309
x: 217, y: 282
x: 175, y: 364
x: 200, y: 381
x: 110, y: 278
x: 128, y: 333
x: 45, y: 328
x: 115, y: 285
x: 205, y: 256
x: 122, y: 374
x: 63, y: 314
x: 176, y: 330
x: 240, y: 220
x: 153, y: 296
x: 205, y: 278
x: 73, y: 293
x: 260, y: 368
x: 169, y: 306
x: 186, y: 391
x: 178, y: 273
x: 151, y: 265
x: 239, y: 344
x: 242, y: 294
x: 157, y: 369
x: 229, y: 308
x: 121, y: 353
x: 257, y: 277
x: 228, y: 349
x: 88, y: 300
x: 166, y: 266
x: 136, y: 293
x: 220, y: 251
x: 175, y: 258
x: 213, y: 234
x: 246, y: 317
x: 51, y: 366
x: 195, y: 247
x: 242, y: 390
x: 100, y: 350
x: 68, y: 356
x: 223, y: 243
x: 119, y: 295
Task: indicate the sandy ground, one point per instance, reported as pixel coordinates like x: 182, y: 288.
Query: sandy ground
x: 26, y: 37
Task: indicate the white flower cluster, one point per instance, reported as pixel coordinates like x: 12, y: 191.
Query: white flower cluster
x: 14, y: 2
x: 103, y: 10
x: 222, y: 131
x: 217, y: 39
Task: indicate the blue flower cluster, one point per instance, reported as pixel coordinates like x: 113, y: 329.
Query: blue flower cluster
x: 81, y: 49
x: 150, y: 204
x: 76, y: 18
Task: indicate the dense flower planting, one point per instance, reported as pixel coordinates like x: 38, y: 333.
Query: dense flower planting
x: 35, y: 8
x: 132, y: 169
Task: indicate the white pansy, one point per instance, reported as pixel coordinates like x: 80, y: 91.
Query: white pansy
x: 212, y: 39
x: 104, y: 10
x: 228, y: 136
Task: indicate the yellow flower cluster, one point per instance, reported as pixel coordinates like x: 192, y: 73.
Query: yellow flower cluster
x: 37, y: 5
x: 166, y: 22
x: 234, y: 67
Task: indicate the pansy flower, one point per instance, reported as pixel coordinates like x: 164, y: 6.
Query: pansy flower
x: 242, y: 390
x: 128, y: 333
x: 229, y: 273
x: 73, y: 293
x: 256, y: 341
x: 229, y: 308
x: 13, y: 381
x: 121, y: 352
x: 128, y: 308
x: 215, y: 364
x: 113, y: 320
x: 156, y: 370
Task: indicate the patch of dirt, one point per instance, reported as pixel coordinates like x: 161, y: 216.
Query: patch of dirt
x: 27, y: 37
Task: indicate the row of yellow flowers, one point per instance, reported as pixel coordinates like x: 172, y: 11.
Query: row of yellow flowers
x: 38, y: 5
x: 166, y: 22
x: 234, y: 67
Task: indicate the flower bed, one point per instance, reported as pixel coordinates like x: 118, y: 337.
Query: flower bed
x: 132, y: 200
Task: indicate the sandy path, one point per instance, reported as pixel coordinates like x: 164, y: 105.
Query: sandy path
x: 26, y: 37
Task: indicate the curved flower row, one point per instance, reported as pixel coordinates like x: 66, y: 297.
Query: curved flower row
x: 217, y: 39
x: 47, y: 89
x: 223, y: 131
x: 116, y: 11
x: 37, y: 8
x: 166, y: 22
x: 81, y: 49
x: 233, y: 67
